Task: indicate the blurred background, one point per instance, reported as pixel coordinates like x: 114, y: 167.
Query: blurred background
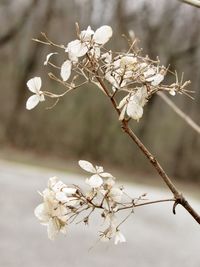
x: 84, y: 126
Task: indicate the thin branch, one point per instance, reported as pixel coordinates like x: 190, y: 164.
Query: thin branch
x: 179, y: 198
x: 195, y: 3
x: 146, y: 203
x: 178, y: 111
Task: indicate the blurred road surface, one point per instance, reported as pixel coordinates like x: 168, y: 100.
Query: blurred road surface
x: 155, y: 237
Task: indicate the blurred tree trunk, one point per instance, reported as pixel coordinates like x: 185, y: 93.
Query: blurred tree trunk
x: 16, y: 28
x: 28, y: 66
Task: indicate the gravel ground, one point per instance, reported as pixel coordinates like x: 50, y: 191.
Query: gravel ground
x: 155, y: 237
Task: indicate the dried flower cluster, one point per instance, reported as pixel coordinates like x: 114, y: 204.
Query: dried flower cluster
x: 129, y: 80
x: 64, y: 204
x: 129, y: 73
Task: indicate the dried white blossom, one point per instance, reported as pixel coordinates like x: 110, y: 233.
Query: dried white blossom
x: 65, y: 71
x: 119, y: 237
x: 48, y: 57
x: 98, y: 173
x: 88, y: 38
x: 34, y: 85
x: 133, y: 104
x: 102, y: 35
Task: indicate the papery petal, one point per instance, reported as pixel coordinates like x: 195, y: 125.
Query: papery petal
x: 123, y: 102
x: 107, y: 57
x: 94, y: 181
x: 134, y: 110
x: 172, y: 92
x: 58, y: 186
x: 158, y: 78
x: 95, y: 52
x: 111, y: 79
x: 106, y: 175
x: 65, y: 71
x: 52, y: 181
x: 140, y: 96
x: 86, y: 35
x: 32, y: 101
x: 34, y: 85
x: 87, y: 166
x: 115, y: 194
x: 128, y: 62
x: 99, y: 169
x: 110, y: 181
x: 48, y: 57
x: 61, y: 196
x: 49, y: 197
x: 73, y: 202
x: 119, y: 237
x: 69, y: 190
x: 60, y: 211
x: 53, y: 228
x: 41, y: 213
x: 149, y: 73
x: 102, y: 34
x: 77, y: 48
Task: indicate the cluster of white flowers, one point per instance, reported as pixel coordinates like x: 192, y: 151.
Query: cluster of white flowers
x: 64, y: 204
x: 89, y: 61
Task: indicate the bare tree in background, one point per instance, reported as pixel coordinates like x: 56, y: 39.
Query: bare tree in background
x: 28, y: 64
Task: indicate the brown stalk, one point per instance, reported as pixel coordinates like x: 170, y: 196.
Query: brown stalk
x: 178, y: 196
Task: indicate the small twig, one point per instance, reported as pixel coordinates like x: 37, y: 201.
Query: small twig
x: 178, y: 111
x: 146, y: 203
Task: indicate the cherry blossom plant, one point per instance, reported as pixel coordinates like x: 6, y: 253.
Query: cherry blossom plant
x: 129, y: 80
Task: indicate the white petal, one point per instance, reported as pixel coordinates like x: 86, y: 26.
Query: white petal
x: 48, y: 57
x: 53, y: 228
x: 65, y: 71
x: 115, y: 194
x: 58, y: 186
x: 149, y: 72
x: 123, y: 102
x: 87, y: 166
x: 102, y: 34
x: 60, y: 196
x: 111, y: 79
x: 94, y: 181
x: 128, y: 62
x: 77, y: 49
x: 34, y: 84
x: 140, y: 96
x: 172, y: 92
x: 95, y: 52
x: 119, y: 237
x: 52, y: 181
x: 106, y: 175
x: 32, y: 101
x: 99, y: 169
x: 41, y: 213
x: 134, y: 110
x: 107, y: 57
x: 86, y: 34
x: 158, y: 78
x: 69, y: 190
